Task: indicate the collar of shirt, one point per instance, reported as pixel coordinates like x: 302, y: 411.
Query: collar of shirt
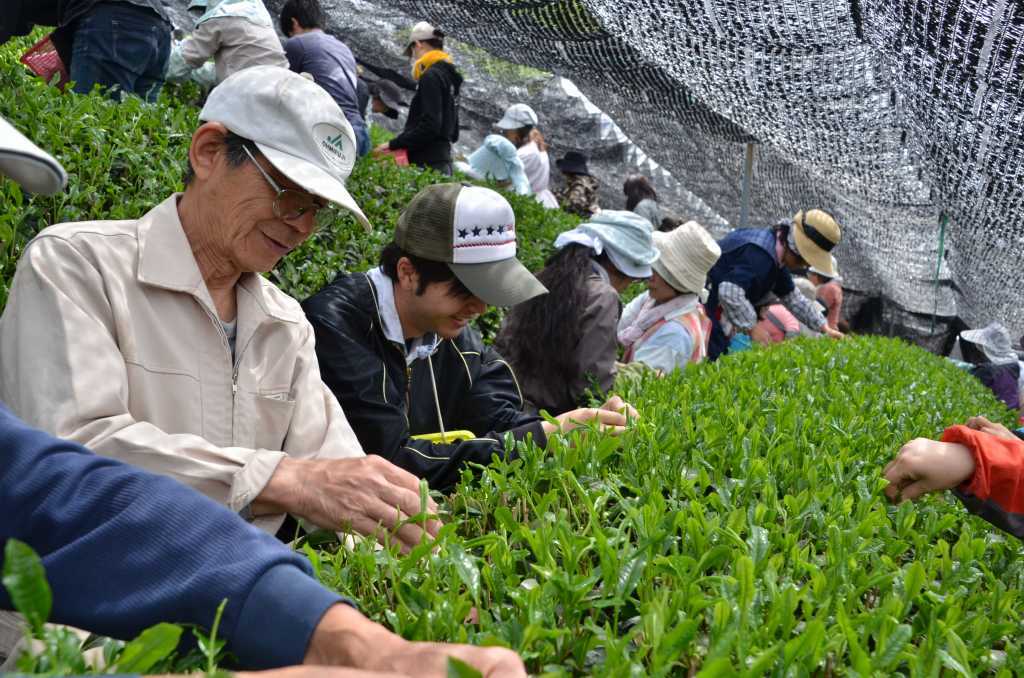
x: 418, y: 348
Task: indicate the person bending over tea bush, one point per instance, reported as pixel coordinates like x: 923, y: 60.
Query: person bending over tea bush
x: 395, y: 345
x: 666, y: 327
x: 157, y: 342
x: 123, y: 548
x: 756, y: 262
x: 562, y: 344
x: 982, y: 462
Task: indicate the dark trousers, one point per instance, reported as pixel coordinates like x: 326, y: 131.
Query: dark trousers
x: 443, y: 166
x: 123, y: 48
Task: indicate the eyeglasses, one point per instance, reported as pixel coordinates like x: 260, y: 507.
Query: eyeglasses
x: 289, y: 204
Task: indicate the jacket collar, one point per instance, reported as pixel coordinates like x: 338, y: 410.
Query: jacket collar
x: 166, y: 261
x: 391, y: 324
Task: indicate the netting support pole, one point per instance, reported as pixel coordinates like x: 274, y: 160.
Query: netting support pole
x: 748, y: 171
x: 943, y: 220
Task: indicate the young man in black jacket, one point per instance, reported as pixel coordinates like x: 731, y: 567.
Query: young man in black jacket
x: 432, y: 125
x: 395, y: 346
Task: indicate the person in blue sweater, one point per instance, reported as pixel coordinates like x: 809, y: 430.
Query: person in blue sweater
x: 85, y: 515
x: 92, y: 520
x: 758, y: 261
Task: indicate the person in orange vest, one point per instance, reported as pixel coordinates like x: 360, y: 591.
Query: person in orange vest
x: 666, y: 327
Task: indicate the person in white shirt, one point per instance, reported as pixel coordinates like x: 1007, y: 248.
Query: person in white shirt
x: 519, y: 125
x: 666, y: 327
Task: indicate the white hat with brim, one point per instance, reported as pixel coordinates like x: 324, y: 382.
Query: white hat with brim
x: 294, y: 123
x: 24, y: 162
x: 816, y: 233
x: 517, y: 116
x: 687, y: 254
x: 994, y: 339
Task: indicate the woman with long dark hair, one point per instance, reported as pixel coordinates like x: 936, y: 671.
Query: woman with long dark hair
x: 564, y: 343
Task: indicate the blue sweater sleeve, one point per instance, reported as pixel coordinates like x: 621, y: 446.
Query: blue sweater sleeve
x: 125, y: 549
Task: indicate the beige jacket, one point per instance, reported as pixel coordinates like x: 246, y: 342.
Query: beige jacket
x: 110, y: 338
x: 233, y: 43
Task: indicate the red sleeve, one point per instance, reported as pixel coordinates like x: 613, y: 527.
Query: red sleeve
x: 832, y: 294
x: 996, y: 490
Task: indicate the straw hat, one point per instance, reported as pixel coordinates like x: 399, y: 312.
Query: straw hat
x: 687, y: 254
x: 816, y: 234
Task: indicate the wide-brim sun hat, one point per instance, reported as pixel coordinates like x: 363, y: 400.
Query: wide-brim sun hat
x: 816, y: 234
x: 24, y: 162
x: 295, y: 124
x: 994, y: 340
x: 687, y: 254
x: 517, y: 116
x: 835, y: 271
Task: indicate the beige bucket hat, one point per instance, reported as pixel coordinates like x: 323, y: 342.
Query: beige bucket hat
x: 687, y: 254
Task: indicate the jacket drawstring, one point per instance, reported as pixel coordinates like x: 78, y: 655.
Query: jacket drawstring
x: 437, y: 400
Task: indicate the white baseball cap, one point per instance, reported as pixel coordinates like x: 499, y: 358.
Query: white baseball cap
x: 295, y: 124
x: 422, y: 31
x: 29, y: 165
x: 516, y: 116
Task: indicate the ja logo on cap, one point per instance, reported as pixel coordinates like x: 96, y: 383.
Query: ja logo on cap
x: 336, y: 147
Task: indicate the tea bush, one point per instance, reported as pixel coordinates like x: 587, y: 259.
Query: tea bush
x: 739, y: 530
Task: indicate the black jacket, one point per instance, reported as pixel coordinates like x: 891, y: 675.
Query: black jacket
x: 433, y: 123
x: 386, y: 402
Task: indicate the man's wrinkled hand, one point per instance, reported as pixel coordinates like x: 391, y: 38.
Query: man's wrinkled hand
x: 368, y: 495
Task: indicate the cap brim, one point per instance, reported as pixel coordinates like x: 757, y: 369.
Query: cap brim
x: 24, y: 162
x: 499, y: 283
x: 314, y: 180
x: 812, y: 254
x: 507, y: 123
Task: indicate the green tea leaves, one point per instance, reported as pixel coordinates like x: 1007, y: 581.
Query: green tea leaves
x: 25, y: 581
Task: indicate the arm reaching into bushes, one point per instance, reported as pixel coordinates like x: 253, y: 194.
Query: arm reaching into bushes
x: 983, y: 466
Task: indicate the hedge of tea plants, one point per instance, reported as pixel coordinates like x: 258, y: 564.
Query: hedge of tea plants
x: 738, y: 529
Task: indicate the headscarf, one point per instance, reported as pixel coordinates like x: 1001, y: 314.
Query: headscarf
x: 625, y: 236
x: 250, y: 10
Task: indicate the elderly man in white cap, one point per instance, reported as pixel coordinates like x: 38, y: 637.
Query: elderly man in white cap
x: 158, y: 342
x: 666, y: 327
x: 756, y: 262
x: 277, y: 614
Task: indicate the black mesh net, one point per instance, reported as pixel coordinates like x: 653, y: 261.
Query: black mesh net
x: 901, y: 117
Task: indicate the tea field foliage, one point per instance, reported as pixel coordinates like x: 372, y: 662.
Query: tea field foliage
x: 122, y: 159
x: 740, y: 529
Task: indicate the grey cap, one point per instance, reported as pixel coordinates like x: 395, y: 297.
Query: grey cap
x: 472, y: 229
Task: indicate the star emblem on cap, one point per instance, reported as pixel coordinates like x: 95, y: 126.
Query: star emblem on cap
x: 463, y: 232
x: 500, y: 228
x: 476, y: 230
x: 490, y: 230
